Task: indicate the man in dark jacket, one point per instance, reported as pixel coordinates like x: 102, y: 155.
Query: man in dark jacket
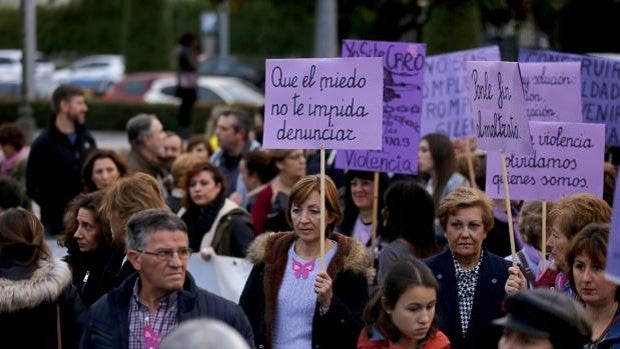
x: 152, y: 303
x: 56, y: 157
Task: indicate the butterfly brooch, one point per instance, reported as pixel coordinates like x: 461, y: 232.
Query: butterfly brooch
x: 302, y: 270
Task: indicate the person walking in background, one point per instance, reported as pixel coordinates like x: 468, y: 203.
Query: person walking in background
x: 402, y: 313
x: 187, y: 58
x: 39, y: 307
x: 56, y: 157
x: 152, y: 303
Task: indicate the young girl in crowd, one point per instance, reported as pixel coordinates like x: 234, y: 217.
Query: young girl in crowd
x: 401, y: 315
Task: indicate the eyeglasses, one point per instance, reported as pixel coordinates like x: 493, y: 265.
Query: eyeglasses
x: 165, y: 255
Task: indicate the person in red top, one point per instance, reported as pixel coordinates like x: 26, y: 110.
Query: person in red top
x: 401, y: 315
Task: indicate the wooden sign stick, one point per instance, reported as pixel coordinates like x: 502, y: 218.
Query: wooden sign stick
x: 543, y: 245
x: 470, y: 165
x: 509, y: 211
x: 322, y: 194
x: 375, y: 217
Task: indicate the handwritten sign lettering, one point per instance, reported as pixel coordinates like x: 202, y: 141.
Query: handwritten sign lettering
x: 552, y: 91
x: 446, y: 104
x: 333, y: 103
x: 600, y: 88
x: 403, y: 66
x: 567, y: 159
x: 498, y: 105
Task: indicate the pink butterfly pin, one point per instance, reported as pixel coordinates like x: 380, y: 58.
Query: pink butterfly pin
x: 302, y: 270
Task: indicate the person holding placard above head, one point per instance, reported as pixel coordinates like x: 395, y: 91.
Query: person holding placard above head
x: 436, y: 158
x: 268, y: 211
x: 215, y: 224
x: 586, y: 258
x: 566, y: 219
x: 358, y: 201
x: 402, y: 313
x: 289, y: 300
x: 408, y: 218
x: 470, y: 278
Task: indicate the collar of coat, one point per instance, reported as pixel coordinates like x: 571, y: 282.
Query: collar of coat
x: 45, y: 284
x: 350, y: 255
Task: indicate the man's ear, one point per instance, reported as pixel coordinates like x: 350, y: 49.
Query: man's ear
x: 135, y: 258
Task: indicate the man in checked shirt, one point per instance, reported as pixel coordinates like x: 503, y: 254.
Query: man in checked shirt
x: 151, y: 303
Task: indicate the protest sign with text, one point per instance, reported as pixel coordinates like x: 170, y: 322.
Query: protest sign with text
x: 499, y: 108
x: 446, y: 103
x: 403, y: 66
x: 331, y: 103
x: 568, y: 158
x: 552, y: 91
x: 600, y: 88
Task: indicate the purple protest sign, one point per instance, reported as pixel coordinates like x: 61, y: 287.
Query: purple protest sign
x: 552, y: 91
x: 403, y: 65
x: 568, y: 158
x: 612, y: 269
x: 499, y: 107
x: 331, y: 103
x: 446, y: 104
x: 600, y: 88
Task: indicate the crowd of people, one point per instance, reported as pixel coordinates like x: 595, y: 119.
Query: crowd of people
x: 433, y: 274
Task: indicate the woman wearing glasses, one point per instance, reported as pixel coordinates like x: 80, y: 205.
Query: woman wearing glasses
x: 289, y: 300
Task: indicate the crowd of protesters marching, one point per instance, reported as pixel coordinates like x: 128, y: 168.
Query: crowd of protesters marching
x: 437, y: 272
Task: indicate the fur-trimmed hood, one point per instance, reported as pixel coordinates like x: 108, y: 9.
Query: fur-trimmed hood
x: 351, y: 254
x: 46, y: 284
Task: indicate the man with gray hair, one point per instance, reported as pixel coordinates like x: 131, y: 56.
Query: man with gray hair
x: 204, y: 334
x: 146, y: 138
x: 232, y: 130
x: 153, y: 302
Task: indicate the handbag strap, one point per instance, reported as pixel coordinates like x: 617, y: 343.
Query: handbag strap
x: 527, y: 271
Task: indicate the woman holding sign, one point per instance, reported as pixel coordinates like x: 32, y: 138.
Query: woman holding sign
x: 566, y: 219
x: 289, y: 300
x: 586, y: 259
x: 470, y: 278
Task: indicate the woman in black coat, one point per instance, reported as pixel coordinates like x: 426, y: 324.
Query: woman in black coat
x: 93, y: 256
x: 35, y: 289
x: 471, y: 279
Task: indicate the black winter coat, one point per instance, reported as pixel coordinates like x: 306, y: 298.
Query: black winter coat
x: 53, y: 174
x: 29, y: 304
